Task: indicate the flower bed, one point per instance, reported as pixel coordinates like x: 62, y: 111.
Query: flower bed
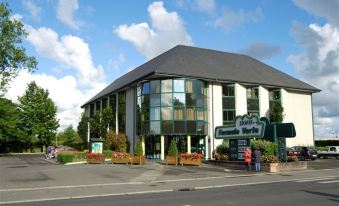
x: 95, y: 158
x: 191, y: 159
x: 120, y: 158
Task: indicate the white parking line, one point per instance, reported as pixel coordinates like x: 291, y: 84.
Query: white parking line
x: 315, y: 179
x: 327, y: 182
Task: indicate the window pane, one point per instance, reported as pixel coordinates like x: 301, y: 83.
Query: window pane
x: 190, y: 100
x: 200, y: 127
x: 155, y: 100
x: 228, y: 103
x: 145, y: 88
x: 138, y: 90
x: 191, y: 127
x: 166, y: 127
x: 166, y: 99
x: 179, y: 127
x: 166, y: 85
x: 166, y: 113
x: 179, y: 99
x: 155, y: 86
x: 179, y: 113
x: 231, y: 90
x: 200, y: 114
x: 144, y: 127
x: 144, y: 114
x: 155, y: 113
x: 230, y: 115
x: 145, y: 101
x: 253, y: 104
x: 190, y: 114
x: 179, y: 85
x: 189, y: 86
x: 200, y: 87
x: 200, y: 101
x: 155, y: 127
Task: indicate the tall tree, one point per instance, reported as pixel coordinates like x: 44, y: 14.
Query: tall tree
x: 71, y: 136
x: 13, y: 56
x: 277, y: 112
x: 38, y: 114
x: 107, y: 120
x: 95, y: 125
x: 83, y: 128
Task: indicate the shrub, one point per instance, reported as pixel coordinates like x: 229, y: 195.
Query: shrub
x: 194, y: 155
x: 110, y: 140
x: 138, y: 149
x: 292, y: 159
x: 266, y: 147
x: 121, y: 143
x: 173, y: 150
x: 65, y: 157
x: 223, y: 149
x: 269, y: 158
x: 107, y: 153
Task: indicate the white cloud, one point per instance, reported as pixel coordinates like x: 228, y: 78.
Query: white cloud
x: 64, y: 92
x: 207, y: 6
x: 167, y: 31
x: 69, y: 50
x: 33, y: 9
x: 231, y: 19
x: 261, y: 50
x: 65, y: 13
x: 328, y: 9
x: 17, y: 17
x: 318, y: 63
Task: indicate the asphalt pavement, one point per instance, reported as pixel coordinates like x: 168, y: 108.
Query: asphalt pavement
x: 33, y: 179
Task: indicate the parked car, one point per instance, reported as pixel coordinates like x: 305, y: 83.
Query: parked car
x: 331, y: 151
x: 303, y: 153
x: 64, y: 149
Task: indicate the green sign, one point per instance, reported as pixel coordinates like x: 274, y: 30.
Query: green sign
x: 244, y: 126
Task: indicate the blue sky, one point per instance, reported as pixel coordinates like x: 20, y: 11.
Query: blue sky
x: 83, y: 45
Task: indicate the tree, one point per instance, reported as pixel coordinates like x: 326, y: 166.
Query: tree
x: 13, y: 56
x: 38, y: 114
x: 138, y: 149
x: 110, y: 140
x: 71, y: 137
x: 106, y: 121
x: 83, y: 128
x: 276, y: 112
x: 173, y: 150
x: 95, y: 125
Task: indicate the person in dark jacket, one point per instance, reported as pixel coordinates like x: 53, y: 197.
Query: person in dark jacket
x: 256, y: 155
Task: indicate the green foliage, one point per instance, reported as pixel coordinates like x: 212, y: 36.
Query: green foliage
x: 107, y: 153
x: 223, y: 149
x: 269, y: 158
x: 65, y: 157
x: 292, y: 159
x: 106, y: 121
x: 138, y: 149
x: 95, y: 125
x: 38, y: 114
x: 83, y: 128
x: 13, y: 56
x: 110, y: 140
x: 121, y: 144
x: 266, y: 147
x: 320, y: 148
x: 276, y: 112
x: 173, y: 150
x: 68, y: 137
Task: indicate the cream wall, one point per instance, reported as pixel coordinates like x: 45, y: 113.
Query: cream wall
x: 264, y: 104
x: 240, y: 100
x: 215, y: 113
x: 130, y: 116
x: 298, y: 110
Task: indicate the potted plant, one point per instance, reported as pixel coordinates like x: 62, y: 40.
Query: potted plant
x: 172, y: 157
x: 95, y: 158
x: 120, y: 158
x: 191, y: 159
x: 138, y: 157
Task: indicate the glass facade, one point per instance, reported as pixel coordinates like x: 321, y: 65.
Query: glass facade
x: 228, y: 104
x: 172, y: 107
x: 252, y: 95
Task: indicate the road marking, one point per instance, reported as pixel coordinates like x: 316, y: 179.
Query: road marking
x: 326, y: 182
x: 315, y: 179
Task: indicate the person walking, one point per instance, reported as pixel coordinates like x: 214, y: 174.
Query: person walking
x: 247, y: 158
x: 257, y: 154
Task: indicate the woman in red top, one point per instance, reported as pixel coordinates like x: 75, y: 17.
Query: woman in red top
x: 247, y: 158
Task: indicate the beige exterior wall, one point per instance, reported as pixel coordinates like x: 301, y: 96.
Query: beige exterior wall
x: 264, y: 104
x: 130, y: 116
x: 298, y: 109
x: 240, y: 100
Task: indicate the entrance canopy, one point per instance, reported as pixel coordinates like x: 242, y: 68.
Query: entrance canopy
x: 244, y: 127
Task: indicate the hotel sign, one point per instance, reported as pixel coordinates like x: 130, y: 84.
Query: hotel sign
x: 244, y: 126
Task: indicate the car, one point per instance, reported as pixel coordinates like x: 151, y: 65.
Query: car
x: 303, y: 153
x: 63, y: 148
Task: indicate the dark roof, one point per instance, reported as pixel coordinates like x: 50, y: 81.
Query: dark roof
x: 208, y: 64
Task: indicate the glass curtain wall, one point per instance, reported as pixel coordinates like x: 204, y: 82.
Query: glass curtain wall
x: 172, y: 107
x: 253, y: 101
x: 228, y: 103
x: 122, y: 112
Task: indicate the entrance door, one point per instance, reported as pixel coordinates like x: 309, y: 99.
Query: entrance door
x: 152, y: 146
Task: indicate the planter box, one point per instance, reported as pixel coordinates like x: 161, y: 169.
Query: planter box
x: 95, y: 161
x: 120, y: 160
x: 139, y: 160
x: 189, y: 161
x: 283, y: 166
x: 171, y: 160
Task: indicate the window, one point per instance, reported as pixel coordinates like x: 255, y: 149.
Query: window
x: 155, y: 127
x: 179, y: 127
x: 179, y: 113
x: 166, y: 99
x: 189, y: 86
x: 190, y: 114
x: 166, y: 85
x: 155, y: 100
x: 253, y: 101
x: 190, y: 100
x: 228, y: 104
x: 179, y: 99
x: 155, y: 113
x: 166, y: 113
x: 167, y: 127
x: 155, y: 86
x: 179, y: 85
x: 274, y: 96
x: 145, y: 88
x: 228, y: 90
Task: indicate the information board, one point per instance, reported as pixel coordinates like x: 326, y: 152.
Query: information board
x: 237, y: 148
